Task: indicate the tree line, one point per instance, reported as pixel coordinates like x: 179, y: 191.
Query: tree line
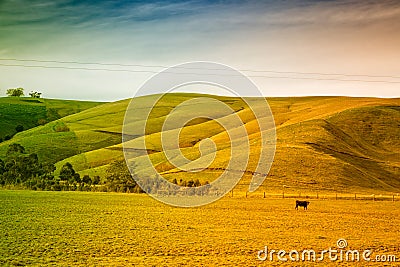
x: 18, y: 92
x: 19, y: 169
x: 22, y: 169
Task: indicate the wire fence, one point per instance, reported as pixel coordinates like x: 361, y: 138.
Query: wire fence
x: 315, y: 195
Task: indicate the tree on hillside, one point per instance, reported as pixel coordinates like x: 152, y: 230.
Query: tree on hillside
x: 35, y: 94
x: 19, y: 128
x: 86, y: 179
x: 119, y: 178
x: 76, y: 178
x: 48, y: 170
x: 67, y: 172
x: 15, y: 149
x: 21, y: 168
x: 15, y: 92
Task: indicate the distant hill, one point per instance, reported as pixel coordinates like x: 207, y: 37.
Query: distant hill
x: 26, y: 112
x: 339, y: 144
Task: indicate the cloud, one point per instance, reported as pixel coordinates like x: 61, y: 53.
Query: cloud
x: 87, y: 13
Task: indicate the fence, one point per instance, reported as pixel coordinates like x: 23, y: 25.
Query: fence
x: 316, y: 195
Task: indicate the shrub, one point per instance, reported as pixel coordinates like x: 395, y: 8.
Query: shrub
x: 42, y: 121
x: 19, y: 128
x: 61, y: 128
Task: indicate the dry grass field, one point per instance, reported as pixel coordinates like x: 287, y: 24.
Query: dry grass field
x: 110, y: 229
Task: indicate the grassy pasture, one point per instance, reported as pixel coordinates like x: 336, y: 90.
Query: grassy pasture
x: 28, y: 112
x: 107, y: 229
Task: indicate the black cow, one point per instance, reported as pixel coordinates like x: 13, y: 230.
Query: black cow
x: 302, y: 204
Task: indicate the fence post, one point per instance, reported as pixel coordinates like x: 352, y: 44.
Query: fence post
x: 264, y: 194
x: 336, y: 196
x: 317, y: 196
x: 283, y: 194
x: 246, y: 194
x: 355, y: 196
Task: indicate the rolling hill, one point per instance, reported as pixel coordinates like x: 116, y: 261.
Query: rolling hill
x: 341, y: 144
x: 31, y: 112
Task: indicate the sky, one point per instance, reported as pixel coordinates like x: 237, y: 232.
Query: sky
x: 287, y: 48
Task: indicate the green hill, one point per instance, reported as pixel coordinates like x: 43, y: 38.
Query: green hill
x: 323, y: 143
x: 31, y: 112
